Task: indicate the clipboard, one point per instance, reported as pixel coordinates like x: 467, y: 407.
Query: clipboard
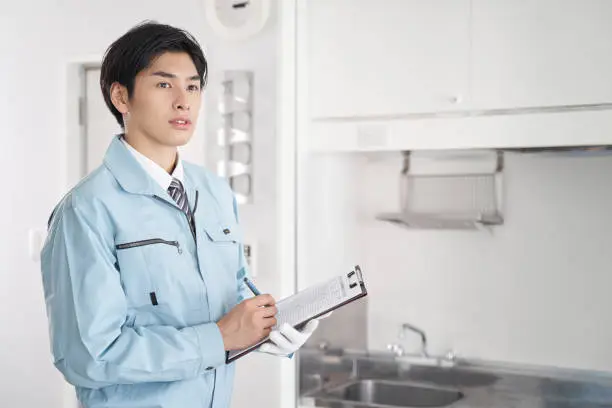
x: 311, y: 303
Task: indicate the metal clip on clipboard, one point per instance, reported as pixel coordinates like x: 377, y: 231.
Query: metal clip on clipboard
x: 358, y: 278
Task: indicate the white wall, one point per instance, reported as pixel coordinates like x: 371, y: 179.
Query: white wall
x: 536, y: 291
x: 38, y: 39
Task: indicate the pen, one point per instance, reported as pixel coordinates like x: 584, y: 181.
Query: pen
x: 251, y: 286
x: 256, y: 292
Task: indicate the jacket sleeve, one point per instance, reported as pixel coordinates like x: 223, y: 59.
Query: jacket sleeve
x: 87, y: 310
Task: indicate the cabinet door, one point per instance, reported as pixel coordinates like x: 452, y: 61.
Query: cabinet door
x: 386, y: 57
x: 541, y: 53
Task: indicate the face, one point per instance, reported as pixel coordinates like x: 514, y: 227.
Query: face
x: 165, y: 103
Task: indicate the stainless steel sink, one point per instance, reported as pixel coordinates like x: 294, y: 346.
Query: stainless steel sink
x: 381, y: 394
x: 450, y: 377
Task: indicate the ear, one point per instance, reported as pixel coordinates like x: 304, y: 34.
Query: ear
x: 119, y: 97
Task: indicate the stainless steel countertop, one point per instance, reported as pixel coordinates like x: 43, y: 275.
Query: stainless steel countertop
x: 484, y: 385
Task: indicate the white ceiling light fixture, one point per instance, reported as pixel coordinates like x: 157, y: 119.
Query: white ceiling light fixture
x: 237, y: 19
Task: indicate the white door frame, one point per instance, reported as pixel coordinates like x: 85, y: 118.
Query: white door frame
x: 287, y: 159
x: 76, y: 126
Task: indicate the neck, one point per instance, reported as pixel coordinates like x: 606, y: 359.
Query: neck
x: 164, y: 156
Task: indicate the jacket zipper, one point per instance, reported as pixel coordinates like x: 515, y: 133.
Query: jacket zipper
x: 193, y: 234
x: 153, y: 241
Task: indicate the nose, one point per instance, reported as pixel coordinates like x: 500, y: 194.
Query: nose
x: 181, y: 101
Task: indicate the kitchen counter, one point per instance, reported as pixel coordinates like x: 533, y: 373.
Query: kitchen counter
x: 483, y: 385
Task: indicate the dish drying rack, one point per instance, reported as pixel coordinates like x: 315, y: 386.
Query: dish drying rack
x: 468, y: 199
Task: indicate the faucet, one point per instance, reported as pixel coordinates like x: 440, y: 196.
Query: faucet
x: 399, y: 351
x: 421, y: 333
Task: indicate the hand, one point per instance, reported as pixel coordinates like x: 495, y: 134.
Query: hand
x: 248, y: 322
x: 287, y: 340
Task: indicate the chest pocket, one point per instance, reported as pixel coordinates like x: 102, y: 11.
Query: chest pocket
x: 223, y: 233
x: 161, y: 282
x: 221, y: 240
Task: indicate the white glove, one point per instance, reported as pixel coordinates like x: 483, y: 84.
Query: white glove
x: 287, y: 340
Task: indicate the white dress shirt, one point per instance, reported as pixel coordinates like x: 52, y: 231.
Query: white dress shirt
x: 154, y: 170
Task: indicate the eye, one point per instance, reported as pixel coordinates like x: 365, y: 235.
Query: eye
x: 193, y: 88
x: 163, y: 85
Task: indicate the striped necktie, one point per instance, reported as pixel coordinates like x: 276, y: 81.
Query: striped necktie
x: 177, y: 192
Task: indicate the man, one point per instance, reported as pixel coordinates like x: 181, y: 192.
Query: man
x: 143, y: 266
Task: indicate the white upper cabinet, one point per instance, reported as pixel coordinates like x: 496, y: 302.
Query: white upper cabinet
x: 536, y: 53
x: 416, y: 74
x: 372, y: 58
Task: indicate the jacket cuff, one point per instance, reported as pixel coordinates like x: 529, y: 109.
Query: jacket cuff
x: 211, y: 344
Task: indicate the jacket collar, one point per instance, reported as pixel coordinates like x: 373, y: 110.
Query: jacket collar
x: 128, y: 172
x: 154, y: 170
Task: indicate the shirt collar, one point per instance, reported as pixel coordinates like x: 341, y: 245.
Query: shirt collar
x: 154, y: 170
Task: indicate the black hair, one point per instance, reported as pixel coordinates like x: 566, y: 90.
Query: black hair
x: 137, y: 49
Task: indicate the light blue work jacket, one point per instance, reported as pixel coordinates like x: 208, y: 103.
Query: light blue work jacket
x: 132, y: 298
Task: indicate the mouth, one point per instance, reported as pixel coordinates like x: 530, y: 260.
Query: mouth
x: 181, y: 124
